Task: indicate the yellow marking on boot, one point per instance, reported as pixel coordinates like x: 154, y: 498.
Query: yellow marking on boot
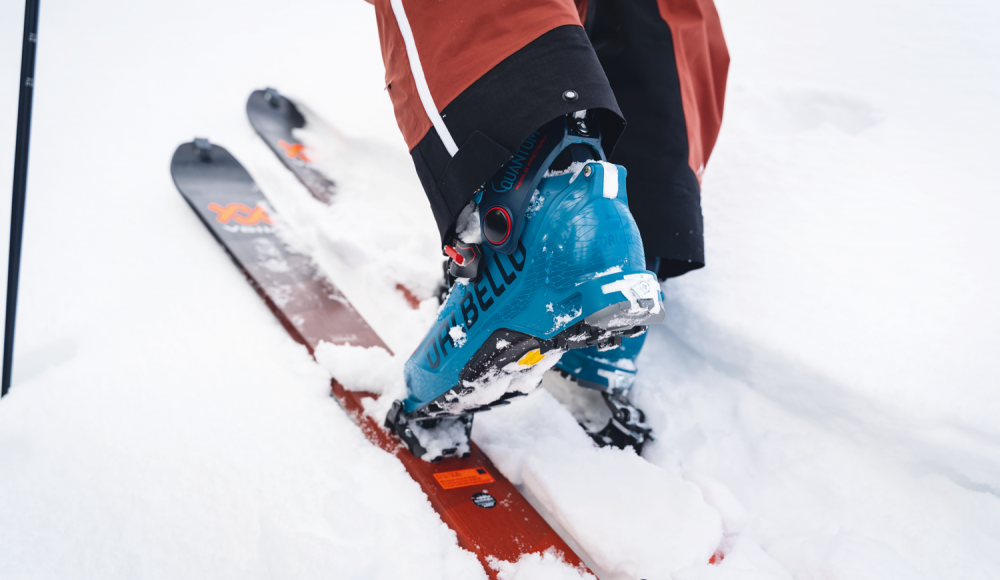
x: 531, y: 358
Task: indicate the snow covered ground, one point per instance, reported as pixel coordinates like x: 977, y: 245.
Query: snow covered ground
x: 824, y: 393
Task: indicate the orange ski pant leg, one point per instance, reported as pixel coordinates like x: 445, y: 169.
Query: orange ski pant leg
x: 470, y: 80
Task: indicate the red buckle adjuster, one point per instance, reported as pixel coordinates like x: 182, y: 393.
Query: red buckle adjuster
x: 454, y: 255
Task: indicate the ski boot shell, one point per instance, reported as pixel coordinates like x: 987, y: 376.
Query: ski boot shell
x: 603, y: 371
x: 576, y: 278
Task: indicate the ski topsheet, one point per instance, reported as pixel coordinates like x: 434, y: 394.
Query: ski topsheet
x: 274, y: 117
x: 489, y: 515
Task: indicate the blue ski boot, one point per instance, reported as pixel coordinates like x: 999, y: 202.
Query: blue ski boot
x: 612, y: 372
x: 554, y: 263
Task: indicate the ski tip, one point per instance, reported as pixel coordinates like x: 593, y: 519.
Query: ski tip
x: 272, y: 97
x: 199, y: 157
x: 271, y: 111
x: 200, y: 149
x: 203, y: 147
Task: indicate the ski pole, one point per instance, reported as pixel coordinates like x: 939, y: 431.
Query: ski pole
x: 28, y: 46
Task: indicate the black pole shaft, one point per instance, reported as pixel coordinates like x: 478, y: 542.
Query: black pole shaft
x: 28, y: 46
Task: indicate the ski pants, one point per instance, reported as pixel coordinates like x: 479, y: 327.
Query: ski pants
x: 469, y: 80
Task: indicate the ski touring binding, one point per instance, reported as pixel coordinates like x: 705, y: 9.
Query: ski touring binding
x: 627, y: 426
x: 431, y: 439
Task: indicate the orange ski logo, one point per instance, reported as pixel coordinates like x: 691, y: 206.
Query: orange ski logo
x: 240, y: 213
x: 294, y: 150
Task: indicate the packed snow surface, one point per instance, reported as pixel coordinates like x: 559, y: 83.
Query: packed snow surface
x: 824, y: 394
x: 366, y: 369
x: 548, y: 565
x: 614, y: 504
x: 359, y: 368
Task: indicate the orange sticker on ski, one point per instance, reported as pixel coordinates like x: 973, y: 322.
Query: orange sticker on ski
x: 463, y: 478
x: 293, y: 150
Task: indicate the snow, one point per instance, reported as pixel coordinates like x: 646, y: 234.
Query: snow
x: 614, y: 504
x: 622, y: 363
x: 457, y: 334
x: 850, y: 206
x: 561, y: 320
x: 378, y: 217
x: 467, y: 225
x: 823, y: 394
x: 536, y: 203
x: 449, y: 433
x: 359, y: 368
x: 548, y: 565
x: 366, y: 369
x: 575, y: 168
x: 161, y: 423
x: 588, y: 405
x: 513, y: 378
x: 744, y: 561
x: 608, y: 272
x: 827, y: 483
